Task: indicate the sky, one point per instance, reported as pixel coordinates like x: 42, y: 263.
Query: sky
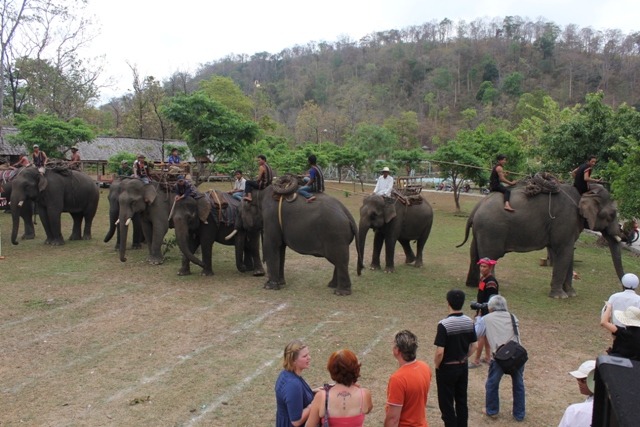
x: 161, y: 38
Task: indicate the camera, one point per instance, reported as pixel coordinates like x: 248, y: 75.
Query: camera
x: 483, y: 308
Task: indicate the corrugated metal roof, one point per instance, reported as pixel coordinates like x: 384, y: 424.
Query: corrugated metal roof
x: 103, y: 147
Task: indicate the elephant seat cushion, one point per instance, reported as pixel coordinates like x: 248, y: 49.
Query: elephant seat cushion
x: 8, y: 175
x: 542, y: 182
x: 284, y: 186
x: 223, y: 207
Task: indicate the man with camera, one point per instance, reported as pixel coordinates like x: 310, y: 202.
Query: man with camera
x: 501, y: 327
x: 487, y: 287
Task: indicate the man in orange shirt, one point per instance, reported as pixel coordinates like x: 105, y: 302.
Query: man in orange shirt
x: 409, y: 386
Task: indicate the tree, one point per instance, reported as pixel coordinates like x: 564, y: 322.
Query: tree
x: 226, y: 92
x: 512, y: 85
x: 54, y: 136
x: 209, y: 127
x: 353, y: 160
x: 11, y: 17
x: 408, y: 160
x: 405, y: 128
x: 620, y: 176
x: 309, y: 124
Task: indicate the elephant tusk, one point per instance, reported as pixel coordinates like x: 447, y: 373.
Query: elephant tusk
x: 233, y: 233
x: 20, y: 203
x: 128, y: 222
x: 117, y: 222
x: 618, y: 239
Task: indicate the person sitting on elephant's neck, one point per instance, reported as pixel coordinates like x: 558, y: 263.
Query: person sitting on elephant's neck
x: 384, y: 185
x: 626, y: 341
x: 74, y: 163
x: 141, y: 169
x: 315, y: 181
x: 22, y: 162
x: 582, y: 175
x: 238, y: 186
x: 487, y: 287
x: 39, y: 158
x: 265, y: 176
x: 124, y: 170
x: 498, y: 176
x: 620, y: 301
x: 183, y: 188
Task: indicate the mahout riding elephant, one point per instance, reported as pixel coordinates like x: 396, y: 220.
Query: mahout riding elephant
x: 26, y: 212
x: 392, y: 222
x: 200, y: 223
x: 55, y: 191
x: 323, y: 228
x: 153, y: 203
x: 114, y: 212
x: 552, y: 221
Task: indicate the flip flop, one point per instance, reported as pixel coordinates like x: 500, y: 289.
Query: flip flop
x: 485, y: 361
x: 472, y: 365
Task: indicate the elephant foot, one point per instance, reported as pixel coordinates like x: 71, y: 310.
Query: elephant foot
x: 332, y: 284
x: 206, y: 272
x: 342, y: 292
x: 390, y: 270
x: 242, y: 269
x: 116, y: 248
x: 272, y: 285
x: 410, y: 260
x: 28, y: 236
x: 258, y: 273
x: 86, y: 237
x: 182, y: 272
x: 155, y: 261
x: 54, y: 242
x: 571, y: 293
x: 75, y: 237
x: 136, y: 246
x: 558, y: 294
x: 418, y: 264
x: 374, y: 267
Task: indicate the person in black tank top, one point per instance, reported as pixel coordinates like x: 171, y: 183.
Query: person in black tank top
x: 265, y: 176
x: 497, y: 178
x: 582, y: 175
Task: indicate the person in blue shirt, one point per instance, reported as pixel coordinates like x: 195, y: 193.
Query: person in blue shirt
x: 293, y: 394
x: 174, y: 158
x: 315, y: 181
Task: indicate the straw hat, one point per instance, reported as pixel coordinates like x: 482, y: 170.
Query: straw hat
x: 385, y: 169
x: 629, y: 317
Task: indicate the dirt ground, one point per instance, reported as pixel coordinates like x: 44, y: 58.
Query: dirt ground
x: 86, y: 340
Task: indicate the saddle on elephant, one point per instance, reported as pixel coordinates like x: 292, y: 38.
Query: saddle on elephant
x: 223, y: 206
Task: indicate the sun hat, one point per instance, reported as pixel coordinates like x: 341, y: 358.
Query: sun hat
x: 586, y: 370
x: 628, y: 317
x: 385, y: 169
x: 35, y: 146
x: 75, y: 147
x: 486, y: 260
x: 630, y: 281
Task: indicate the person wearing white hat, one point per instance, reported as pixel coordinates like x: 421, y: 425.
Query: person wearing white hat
x: 626, y: 341
x: 580, y: 414
x: 384, y: 185
x: 74, y: 163
x: 627, y: 298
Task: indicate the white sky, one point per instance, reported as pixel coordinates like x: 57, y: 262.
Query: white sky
x: 163, y: 37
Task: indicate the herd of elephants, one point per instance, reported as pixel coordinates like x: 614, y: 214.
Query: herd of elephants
x: 324, y: 228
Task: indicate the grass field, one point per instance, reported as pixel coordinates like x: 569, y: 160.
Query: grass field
x: 86, y: 340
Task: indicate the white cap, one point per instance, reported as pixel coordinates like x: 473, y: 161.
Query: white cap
x: 385, y: 169
x: 584, y: 369
x: 630, y: 281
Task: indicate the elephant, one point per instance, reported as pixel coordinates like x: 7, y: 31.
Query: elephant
x: 114, y: 211
x: 323, y: 228
x: 393, y: 221
x: 552, y: 221
x: 55, y: 192
x: 153, y: 203
x: 26, y: 212
x: 196, y: 224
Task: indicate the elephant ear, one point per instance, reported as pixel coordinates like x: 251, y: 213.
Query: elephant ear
x: 42, y: 183
x: 149, y: 193
x: 204, y: 208
x: 245, y: 216
x: 389, y: 211
x: 590, y: 205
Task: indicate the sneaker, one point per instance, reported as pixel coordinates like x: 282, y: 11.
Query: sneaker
x: 492, y: 416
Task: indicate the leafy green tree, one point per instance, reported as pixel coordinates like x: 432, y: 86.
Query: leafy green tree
x: 351, y: 159
x: 624, y: 179
x: 512, y: 85
x: 54, y: 136
x: 405, y: 128
x: 115, y: 161
x: 376, y: 141
x: 408, y: 160
x: 209, y: 127
x: 226, y: 92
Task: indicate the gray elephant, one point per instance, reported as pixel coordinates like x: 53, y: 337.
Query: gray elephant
x: 26, y: 212
x: 55, y: 192
x: 114, y: 212
x: 323, y: 228
x: 200, y: 223
x: 394, y: 222
x: 552, y: 221
x: 153, y: 203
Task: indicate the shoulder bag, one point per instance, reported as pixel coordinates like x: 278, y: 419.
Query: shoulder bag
x: 511, y: 356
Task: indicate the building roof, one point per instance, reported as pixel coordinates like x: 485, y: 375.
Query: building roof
x: 103, y: 147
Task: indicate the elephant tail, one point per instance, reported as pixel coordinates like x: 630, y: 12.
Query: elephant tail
x: 466, y: 231
x: 354, y: 228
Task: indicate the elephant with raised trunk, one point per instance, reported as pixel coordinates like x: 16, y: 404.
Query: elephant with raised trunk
x: 153, y: 203
x: 114, y: 212
x: 552, y: 221
x: 26, y: 211
x: 323, y: 228
x: 55, y: 192
x: 394, y: 222
x: 199, y: 223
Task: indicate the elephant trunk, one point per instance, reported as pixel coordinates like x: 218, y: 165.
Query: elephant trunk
x: 182, y: 236
x: 113, y: 223
x: 15, y: 216
x: 124, y: 228
x: 614, y: 247
x: 362, y: 237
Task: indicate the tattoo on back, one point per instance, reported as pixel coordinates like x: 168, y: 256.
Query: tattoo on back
x: 344, y: 395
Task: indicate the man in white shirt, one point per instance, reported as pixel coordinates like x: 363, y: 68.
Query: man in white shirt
x: 384, y: 184
x: 580, y: 414
x: 238, y: 187
x: 620, y: 301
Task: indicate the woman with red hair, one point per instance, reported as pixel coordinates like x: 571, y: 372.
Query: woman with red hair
x: 345, y: 403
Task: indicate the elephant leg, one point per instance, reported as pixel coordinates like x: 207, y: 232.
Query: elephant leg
x: 338, y: 255
x: 147, y: 230
x: 55, y: 228
x: 567, y: 285
x: 389, y: 254
x: 77, y: 227
x: 274, y: 255
x: 253, y: 244
x: 408, y: 252
x: 333, y: 283
x: 419, y: 250
x: 207, y: 250
x: 378, y: 241
x: 473, y: 276
x: 283, y: 250
x: 27, y: 218
x: 155, y: 256
x: 563, y: 264
x: 138, y: 236
x: 88, y: 223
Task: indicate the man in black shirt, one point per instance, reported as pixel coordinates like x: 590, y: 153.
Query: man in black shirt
x: 497, y: 177
x: 455, y: 342
x: 582, y: 175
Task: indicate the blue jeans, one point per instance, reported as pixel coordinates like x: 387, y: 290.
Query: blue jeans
x: 306, y: 190
x: 238, y: 196
x: 493, y: 396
